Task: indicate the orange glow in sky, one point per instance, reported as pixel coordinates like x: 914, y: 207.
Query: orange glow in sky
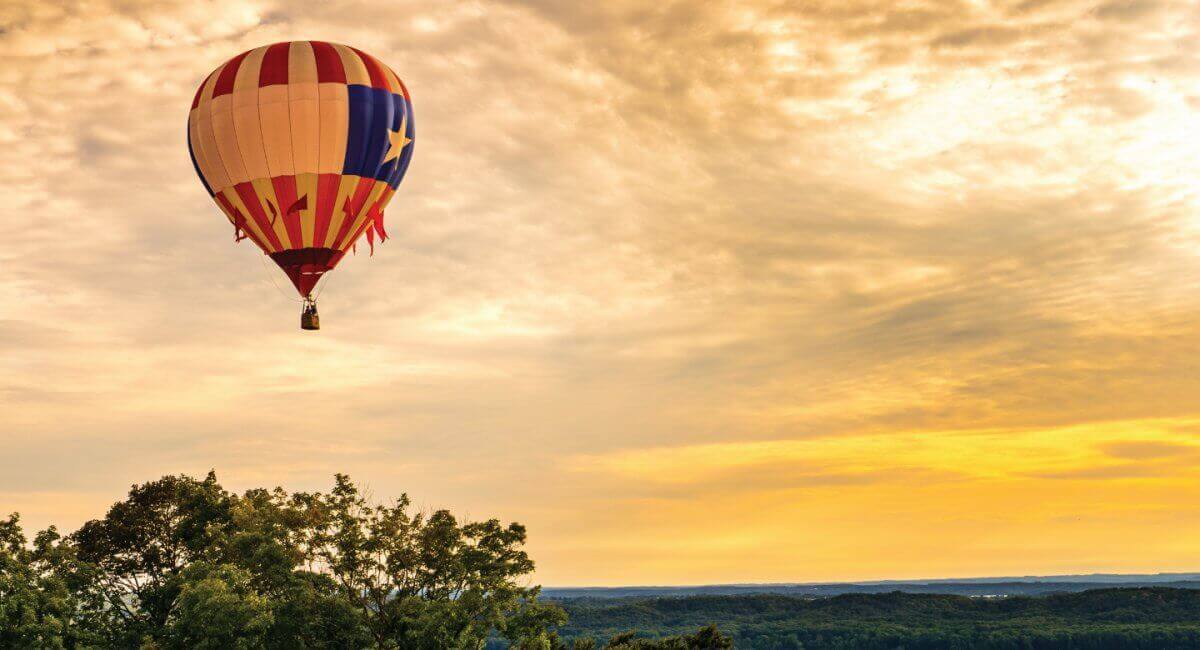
x: 699, y: 292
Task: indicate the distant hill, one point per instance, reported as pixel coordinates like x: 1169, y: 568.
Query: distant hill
x: 1100, y: 618
x: 997, y: 586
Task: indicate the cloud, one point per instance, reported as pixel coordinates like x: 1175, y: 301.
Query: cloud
x: 770, y: 249
x: 1138, y: 450
x: 1126, y: 10
x: 989, y: 36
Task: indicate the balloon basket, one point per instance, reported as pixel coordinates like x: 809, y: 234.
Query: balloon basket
x: 309, y: 319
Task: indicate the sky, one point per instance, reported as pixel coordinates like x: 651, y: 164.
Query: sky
x: 698, y: 292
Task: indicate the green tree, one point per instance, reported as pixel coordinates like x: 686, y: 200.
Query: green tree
x: 28, y: 616
x: 423, y: 581
x: 708, y: 638
x: 47, y: 597
x: 218, y: 608
x: 143, y: 544
x: 184, y: 563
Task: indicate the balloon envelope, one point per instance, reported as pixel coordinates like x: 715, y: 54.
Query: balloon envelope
x: 302, y: 145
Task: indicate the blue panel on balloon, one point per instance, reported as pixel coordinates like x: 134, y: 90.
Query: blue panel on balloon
x: 367, y: 136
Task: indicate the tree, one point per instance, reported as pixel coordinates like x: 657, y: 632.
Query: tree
x: 142, y: 545
x: 218, y: 608
x: 27, y: 615
x: 184, y: 563
x: 46, y: 595
x: 423, y: 581
x: 708, y: 638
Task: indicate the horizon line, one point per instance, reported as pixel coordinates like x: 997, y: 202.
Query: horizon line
x: 883, y: 581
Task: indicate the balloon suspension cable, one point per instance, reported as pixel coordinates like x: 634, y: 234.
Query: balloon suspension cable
x: 322, y: 282
x: 271, y: 275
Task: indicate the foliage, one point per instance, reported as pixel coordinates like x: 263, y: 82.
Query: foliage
x: 183, y: 563
x: 708, y: 638
x: 1101, y: 618
x: 46, y: 595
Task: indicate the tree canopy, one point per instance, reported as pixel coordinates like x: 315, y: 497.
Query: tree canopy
x: 184, y: 563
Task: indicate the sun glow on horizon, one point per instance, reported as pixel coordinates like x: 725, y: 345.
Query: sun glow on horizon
x: 700, y: 292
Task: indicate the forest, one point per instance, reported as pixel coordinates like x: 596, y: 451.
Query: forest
x: 1101, y: 618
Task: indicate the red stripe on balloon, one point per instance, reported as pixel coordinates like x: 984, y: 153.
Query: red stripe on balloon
x: 200, y: 90
x: 358, y: 232
x: 246, y: 232
x: 354, y: 205
x: 329, y: 64
x: 285, y: 193
x: 374, y: 70
x: 327, y: 191
x: 254, y: 205
x: 274, y: 65
x: 224, y: 84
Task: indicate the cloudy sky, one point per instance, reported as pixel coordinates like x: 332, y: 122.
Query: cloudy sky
x: 700, y: 292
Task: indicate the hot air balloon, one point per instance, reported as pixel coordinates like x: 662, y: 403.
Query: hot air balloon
x: 302, y: 145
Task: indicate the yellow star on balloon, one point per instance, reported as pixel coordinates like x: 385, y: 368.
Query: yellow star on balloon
x: 397, y: 140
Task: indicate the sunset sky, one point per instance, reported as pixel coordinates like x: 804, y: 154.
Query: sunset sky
x: 699, y: 292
